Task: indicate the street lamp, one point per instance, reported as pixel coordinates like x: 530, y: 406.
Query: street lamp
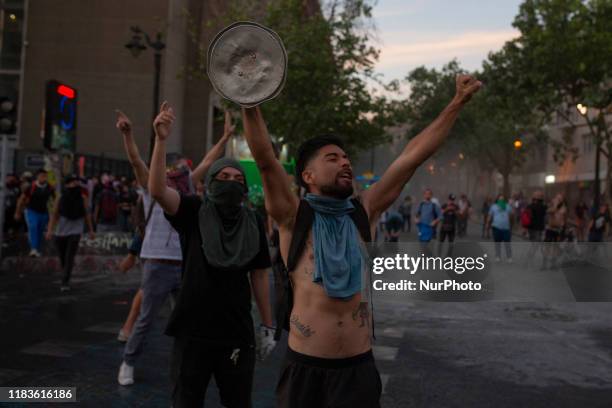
x: 136, y: 46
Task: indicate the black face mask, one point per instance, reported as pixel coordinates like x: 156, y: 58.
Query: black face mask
x: 228, y: 192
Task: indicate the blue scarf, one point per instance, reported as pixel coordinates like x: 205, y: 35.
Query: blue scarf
x: 338, y: 259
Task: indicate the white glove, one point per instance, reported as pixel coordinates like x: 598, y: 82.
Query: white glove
x: 266, y: 341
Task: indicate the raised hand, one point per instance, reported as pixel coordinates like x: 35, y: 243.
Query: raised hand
x: 228, y: 127
x: 163, y: 121
x: 123, y: 123
x: 467, y: 86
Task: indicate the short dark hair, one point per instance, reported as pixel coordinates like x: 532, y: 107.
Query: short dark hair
x: 309, y: 149
x: 41, y: 171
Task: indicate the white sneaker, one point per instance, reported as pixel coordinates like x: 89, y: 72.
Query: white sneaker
x: 509, y: 260
x: 126, y: 374
x: 497, y: 259
x: 64, y: 288
x: 122, y: 337
x: 32, y: 253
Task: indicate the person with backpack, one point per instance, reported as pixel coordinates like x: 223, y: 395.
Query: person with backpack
x: 393, y: 225
x: 428, y: 216
x: 224, y: 243
x: 329, y: 360
x: 35, y: 201
x: 67, y: 224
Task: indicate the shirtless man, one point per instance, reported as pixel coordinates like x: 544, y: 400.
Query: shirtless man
x: 329, y: 360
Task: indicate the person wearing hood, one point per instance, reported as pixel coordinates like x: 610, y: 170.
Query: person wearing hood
x: 223, y: 242
x: 157, y: 244
x: 499, y: 218
x: 67, y: 224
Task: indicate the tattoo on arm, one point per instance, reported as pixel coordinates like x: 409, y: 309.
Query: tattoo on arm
x: 363, y: 313
x: 301, y: 327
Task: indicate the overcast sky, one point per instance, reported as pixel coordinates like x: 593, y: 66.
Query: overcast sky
x: 432, y: 32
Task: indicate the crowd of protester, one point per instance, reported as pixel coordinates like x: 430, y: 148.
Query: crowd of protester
x: 537, y: 220
x: 29, y: 199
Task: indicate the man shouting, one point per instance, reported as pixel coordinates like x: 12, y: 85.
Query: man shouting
x: 222, y: 242
x: 329, y: 361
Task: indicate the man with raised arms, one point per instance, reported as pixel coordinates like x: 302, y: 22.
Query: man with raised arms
x: 329, y: 360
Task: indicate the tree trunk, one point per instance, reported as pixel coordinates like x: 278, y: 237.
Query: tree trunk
x: 506, y: 185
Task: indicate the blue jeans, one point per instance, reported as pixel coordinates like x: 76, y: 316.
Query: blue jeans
x: 159, y: 280
x: 37, y: 224
x: 499, y: 236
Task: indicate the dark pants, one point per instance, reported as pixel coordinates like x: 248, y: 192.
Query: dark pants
x: 67, y: 246
x: 407, y: 223
x: 310, y: 382
x: 194, y: 362
x: 535, y: 235
x: 451, y: 239
x: 499, y: 236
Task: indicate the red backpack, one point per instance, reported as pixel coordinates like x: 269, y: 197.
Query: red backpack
x: 526, y: 217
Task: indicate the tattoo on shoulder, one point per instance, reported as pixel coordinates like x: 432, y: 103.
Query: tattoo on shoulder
x: 301, y: 327
x: 362, y: 313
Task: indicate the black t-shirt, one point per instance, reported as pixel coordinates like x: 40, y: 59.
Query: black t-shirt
x: 213, y: 305
x: 39, y: 197
x: 538, y: 215
x: 449, y: 217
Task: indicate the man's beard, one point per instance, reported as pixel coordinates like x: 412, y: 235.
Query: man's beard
x: 337, y: 191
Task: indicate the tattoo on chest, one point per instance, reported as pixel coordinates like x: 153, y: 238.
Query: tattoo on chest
x: 362, y: 313
x: 301, y: 327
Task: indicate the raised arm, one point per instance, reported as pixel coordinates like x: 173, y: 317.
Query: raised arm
x: 138, y: 165
x: 281, y: 203
x: 420, y: 148
x: 168, y: 198
x: 215, y: 153
x: 53, y: 219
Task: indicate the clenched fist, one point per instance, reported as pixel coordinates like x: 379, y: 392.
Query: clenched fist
x: 163, y: 121
x: 467, y: 86
x: 123, y: 123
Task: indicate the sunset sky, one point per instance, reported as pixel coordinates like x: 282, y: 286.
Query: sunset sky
x: 432, y: 32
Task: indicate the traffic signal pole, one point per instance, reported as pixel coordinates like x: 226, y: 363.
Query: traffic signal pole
x: 3, y: 171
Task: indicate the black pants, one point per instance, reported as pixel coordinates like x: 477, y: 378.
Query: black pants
x: 67, y: 247
x: 312, y: 382
x: 195, y: 361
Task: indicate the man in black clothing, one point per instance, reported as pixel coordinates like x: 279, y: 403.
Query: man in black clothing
x: 222, y: 241
x: 537, y: 213
x: 449, y: 224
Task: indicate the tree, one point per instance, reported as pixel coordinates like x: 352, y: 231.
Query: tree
x: 566, y: 52
x: 330, y: 73
x: 489, y: 125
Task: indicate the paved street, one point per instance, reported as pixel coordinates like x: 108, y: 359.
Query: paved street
x: 478, y: 354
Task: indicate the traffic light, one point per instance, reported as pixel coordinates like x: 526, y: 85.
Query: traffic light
x: 8, y: 116
x: 60, y: 116
x: 518, y: 144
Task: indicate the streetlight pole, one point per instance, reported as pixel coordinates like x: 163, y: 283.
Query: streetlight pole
x: 136, y: 46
